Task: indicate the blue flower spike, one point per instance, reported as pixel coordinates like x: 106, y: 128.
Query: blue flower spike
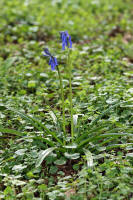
x: 52, y: 59
x: 66, y: 40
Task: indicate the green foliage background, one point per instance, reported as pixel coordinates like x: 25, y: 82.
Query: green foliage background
x: 102, y: 35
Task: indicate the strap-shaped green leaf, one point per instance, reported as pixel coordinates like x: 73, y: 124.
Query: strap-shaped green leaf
x: 43, y: 155
x: 11, y: 131
x: 95, y: 138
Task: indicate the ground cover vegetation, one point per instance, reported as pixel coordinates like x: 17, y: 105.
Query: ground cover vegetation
x: 41, y: 157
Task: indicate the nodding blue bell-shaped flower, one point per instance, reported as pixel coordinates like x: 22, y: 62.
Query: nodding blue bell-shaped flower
x: 66, y: 40
x: 52, y: 59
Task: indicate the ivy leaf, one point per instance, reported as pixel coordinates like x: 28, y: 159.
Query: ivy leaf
x: 89, y: 158
x: 19, y: 167
x: 20, y: 152
x: 72, y: 156
x: 61, y: 161
x: 53, y: 116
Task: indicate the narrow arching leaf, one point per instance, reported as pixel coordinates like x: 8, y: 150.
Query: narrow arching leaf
x: 37, y: 124
x: 11, y: 131
x: 43, y: 155
x: 28, y: 118
x: 94, y: 130
x: 46, y: 140
x: 113, y: 135
x: 95, y: 138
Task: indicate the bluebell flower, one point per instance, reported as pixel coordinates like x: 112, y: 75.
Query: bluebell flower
x: 52, y: 59
x: 66, y: 40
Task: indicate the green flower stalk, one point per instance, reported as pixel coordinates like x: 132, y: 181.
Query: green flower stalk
x: 63, y: 103
x: 66, y: 42
x: 70, y: 93
x: 53, y: 63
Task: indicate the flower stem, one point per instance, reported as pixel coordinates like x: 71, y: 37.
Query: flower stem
x: 63, y: 104
x: 70, y: 91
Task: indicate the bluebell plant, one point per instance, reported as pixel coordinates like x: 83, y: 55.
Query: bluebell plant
x: 52, y: 59
x: 53, y: 62
x: 66, y: 42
